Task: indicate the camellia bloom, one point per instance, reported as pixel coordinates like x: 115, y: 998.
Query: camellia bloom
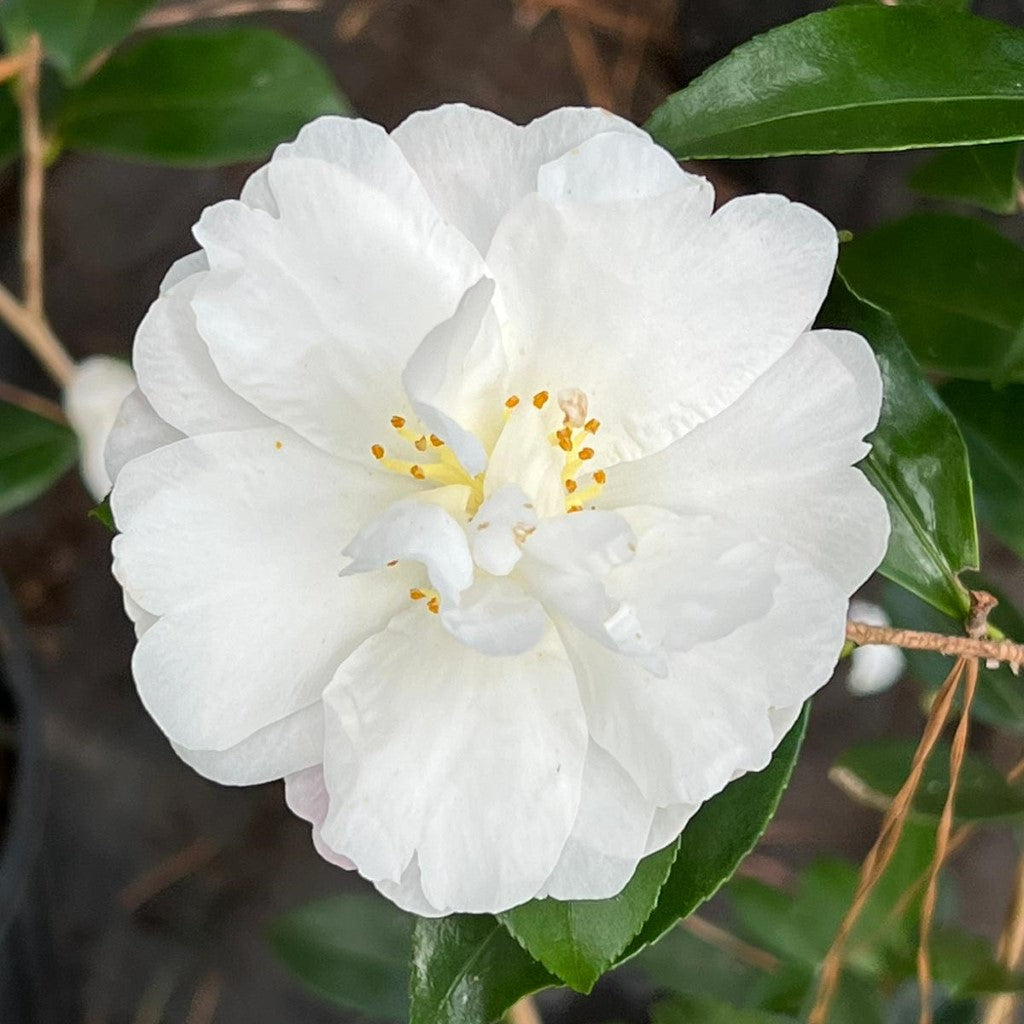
x: 490, y: 489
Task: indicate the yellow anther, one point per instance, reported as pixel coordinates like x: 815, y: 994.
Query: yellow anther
x: 574, y: 508
x: 434, y: 605
x: 378, y: 451
x: 585, y: 453
x: 571, y: 485
x: 600, y: 477
x: 416, y: 594
x: 592, y: 426
x: 279, y: 445
x: 512, y: 401
x: 417, y: 472
x: 398, y: 422
x: 540, y: 399
x: 420, y: 444
x: 436, y: 441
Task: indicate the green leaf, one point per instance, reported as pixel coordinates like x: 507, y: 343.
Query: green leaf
x: 580, y: 939
x: 199, y: 98
x: 34, y: 453
x: 949, y: 5
x: 73, y: 32
x: 467, y: 969
x: 954, y: 286
x: 353, y: 950
x: 983, y: 175
x: 1000, y: 697
x: 104, y: 514
x: 992, y: 422
x: 918, y: 461
x: 719, y: 836
x: 853, y: 79
x: 873, y: 773
x: 693, y: 1009
x: 964, y: 964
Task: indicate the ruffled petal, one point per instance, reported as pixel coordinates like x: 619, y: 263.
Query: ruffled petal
x: 254, y: 617
x: 305, y: 792
x: 661, y: 314
x: 476, y: 165
x: 497, y: 618
x: 780, y: 460
x: 137, y: 430
x: 471, y: 763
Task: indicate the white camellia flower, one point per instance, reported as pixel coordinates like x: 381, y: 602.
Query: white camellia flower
x: 874, y: 668
x: 490, y: 489
x: 92, y: 398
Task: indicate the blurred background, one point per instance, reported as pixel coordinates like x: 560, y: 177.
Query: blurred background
x: 156, y: 888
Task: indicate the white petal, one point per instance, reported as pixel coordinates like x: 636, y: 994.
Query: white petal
x: 470, y: 762
x: 608, y: 836
x: 419, y: 532
x: 92, y: 398
x: 312, y: 315
x: 137, y: 430
x: 290, y: 745
x: 661, y: 314
x: 244, y: 576
x: 186, y: 266
x: 524, y: 456
x: 497, y: 618
x: 666, y: 825
x: 306, y: 795
x: 407, y: 893
x: 779, y: 460
x: 455, y: 377
x: 477, y: 166
x: 500, y: 528
x: 176, y: 373
x: 874, y: 668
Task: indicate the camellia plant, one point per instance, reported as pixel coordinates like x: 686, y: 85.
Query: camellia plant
x: 504, y: 498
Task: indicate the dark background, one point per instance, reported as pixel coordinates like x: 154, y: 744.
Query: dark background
x: 160, y: 885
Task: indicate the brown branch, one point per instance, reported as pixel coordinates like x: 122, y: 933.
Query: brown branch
x: 710, y: 933
x: 206, y: 999
x: 33, y: 152
x: 942, y: 844
x: 11, y: 65
x: 32, y: 402
x: 523, y: 1012
x: 586, y: 62
x: 38, y: 336
x: 861, y: 634
x: 163, y: 875
x: 200, y: 10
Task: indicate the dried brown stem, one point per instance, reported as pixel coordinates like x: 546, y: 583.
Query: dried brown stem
x: 523, y: 1012
x: 885, y: 845
x: 32, y: 403
x: 206, y: 999
x: 200, y: 10
x: 861, y: 634
x: 586, y: 62
x: 33, y: 152
x: 728, y: 943
x: 11, y: 65
x: 943, y: 843
x: 1009, y: 951
x: 35, y: 332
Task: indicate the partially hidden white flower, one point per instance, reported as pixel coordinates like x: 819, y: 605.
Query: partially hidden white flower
x: 92, y: 398
x: 491, y: 490
x: 874, y: 668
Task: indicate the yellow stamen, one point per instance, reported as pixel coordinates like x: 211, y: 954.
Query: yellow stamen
x: 417, y: 472
x: 279, y: 445
x: 592, y: 426
x: 512, y: 401
x: 416, y: 594
x: 585, y: 453
x: 378, y: 451
x: 540, y: 399
x: 574, y: 508
x: 436, y: 441
x: 434, y: 605
x: 600, y: 477
x: 420, y: 444
x: 398, y: 422
x: 571, y: 485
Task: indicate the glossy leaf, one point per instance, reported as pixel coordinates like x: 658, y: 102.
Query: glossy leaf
x: 34, y: 453
x: 955, y: 288
x: 719, y: 836
x: 872, y: 773
x: 964, y: 964
x: 1000, y: 697
x: 199, y: 98
x: 948, y: 5
x: 985, y: 176
x: 467, y: 969
x: 353, y: 950
x: 580, y: 939
x: 692, y: 1009
x: 918, y: 461
x: 73, y: 32
x: 992, y: 422
x: 853, y: 79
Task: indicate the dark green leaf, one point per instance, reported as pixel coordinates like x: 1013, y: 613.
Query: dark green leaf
x: 964, y: 964
x: 719, y: 836
x: 73, y: 31
x: 680, y: 962
x: 853, y: 79
x: 992, y: 422
x: 34, y: 452
x: 949, y: 5
x: 873, y: 773
x: 200, y: 98
x: 955, y: 288
x: 1000, y: 697
x: 983, y: 175
x: 918, y: 461
x: 704, y: 1010
x: 580, y: 939
x: 467, y: 969
x: 353, y: 950
x: 104, y: 514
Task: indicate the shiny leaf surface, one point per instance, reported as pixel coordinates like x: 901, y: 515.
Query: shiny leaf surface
x: 984, y: 176
x: 34, y: 453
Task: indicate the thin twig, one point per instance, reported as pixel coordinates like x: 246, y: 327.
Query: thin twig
x: 203, y: 1007
x: 11, y: 65
x: 32, y: 402
x: 523, y: 1012
x: 881, y: 853
x: 38, y: 336
x: 163, y: 875
x: 33, y: 152
x: 861, y: 634
x: 710, y: 933
x: 201, y: 10
x: 586, y: 62
x: 942, y: 844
